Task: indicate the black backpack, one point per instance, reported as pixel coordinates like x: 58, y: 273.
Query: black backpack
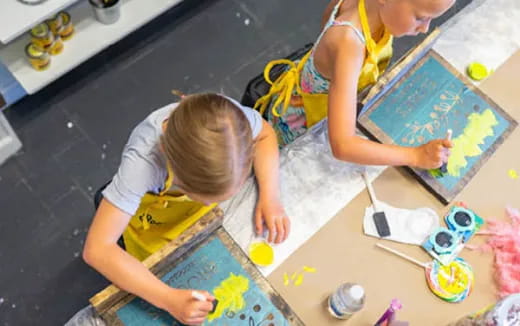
x: 258, y: 86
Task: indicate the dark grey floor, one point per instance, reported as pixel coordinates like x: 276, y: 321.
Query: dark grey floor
x: 74, y: 130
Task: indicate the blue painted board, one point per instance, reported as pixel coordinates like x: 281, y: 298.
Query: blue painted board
x: 204, y: 269
x: 432, y: 98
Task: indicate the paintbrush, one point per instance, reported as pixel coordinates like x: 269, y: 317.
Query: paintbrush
x: 379, y: 216
x: 201, y: 297
x: 443, y: 169
x: 444, y: 166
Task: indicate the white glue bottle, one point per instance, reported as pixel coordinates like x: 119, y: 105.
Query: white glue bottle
x: 346, y: 300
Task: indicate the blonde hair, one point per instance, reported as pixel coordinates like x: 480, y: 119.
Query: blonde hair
x: 208, y: 143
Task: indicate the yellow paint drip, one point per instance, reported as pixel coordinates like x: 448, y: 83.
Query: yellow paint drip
x: 261, y: 253
x: 468, y: 143
x: 513, y: 174
x: 299, y: 280
x: 230, y: 295
x: 309, y: 269
x: 285, y: 279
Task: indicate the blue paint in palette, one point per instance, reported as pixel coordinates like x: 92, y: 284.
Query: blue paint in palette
x: 205, y: 269
x: 429, y: 102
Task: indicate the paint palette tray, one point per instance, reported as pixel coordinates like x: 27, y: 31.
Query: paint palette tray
x: 215, y: 264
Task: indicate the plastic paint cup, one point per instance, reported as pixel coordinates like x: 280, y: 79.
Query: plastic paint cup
x: 261, y: 253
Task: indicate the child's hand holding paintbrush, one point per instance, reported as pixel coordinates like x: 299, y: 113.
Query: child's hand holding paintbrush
x: 444, y: 166
x: 190, y: 307
x: 434, y: 153
x: 443, y: 169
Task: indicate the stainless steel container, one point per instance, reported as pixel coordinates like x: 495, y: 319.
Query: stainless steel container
x: 106, y: 12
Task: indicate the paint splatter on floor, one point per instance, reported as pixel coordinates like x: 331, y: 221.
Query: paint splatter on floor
x: 309, y: 269
x: 299, y: 280
x: 513, y: 174
x: 297, y: 277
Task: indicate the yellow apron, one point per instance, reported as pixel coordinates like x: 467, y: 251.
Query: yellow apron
x: 316, y: 105
x: 159, y: 219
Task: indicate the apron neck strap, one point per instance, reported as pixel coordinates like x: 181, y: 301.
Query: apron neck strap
x: 169, y: 180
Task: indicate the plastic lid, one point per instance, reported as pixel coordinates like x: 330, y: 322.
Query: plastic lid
x: 396, y: 304
x: 34, y: 51
x: 357, y: 292
x: 261, y: 253
x: 477, y: 71
x: 40, y: 30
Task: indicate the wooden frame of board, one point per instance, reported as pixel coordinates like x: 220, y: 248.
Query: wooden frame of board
x: 106, y: 300
x: 374, y: 131
x: 110, y: 300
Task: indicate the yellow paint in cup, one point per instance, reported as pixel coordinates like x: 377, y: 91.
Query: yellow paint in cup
x: 261, y: 253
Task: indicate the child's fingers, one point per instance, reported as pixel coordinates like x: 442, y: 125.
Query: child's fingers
x: 446, y: 155
x: 202, y: 308
x: 447, y: 143
x: 209, y: 296
x: 198, y: 315
x: 259, y: 222
x: 272, y: 229
x: 287, y: 227
x: 195, y: 321
x: 280, y: 233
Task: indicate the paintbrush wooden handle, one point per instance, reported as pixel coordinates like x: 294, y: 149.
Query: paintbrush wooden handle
x: 400, y: 254
x: 371, y: 192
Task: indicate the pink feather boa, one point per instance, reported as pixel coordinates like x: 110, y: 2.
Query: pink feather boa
x: 504, y: 241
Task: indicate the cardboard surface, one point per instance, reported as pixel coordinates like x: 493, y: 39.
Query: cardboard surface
x: 342, y: 253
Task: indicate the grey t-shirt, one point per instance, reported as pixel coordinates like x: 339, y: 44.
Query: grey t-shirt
x: 143, y: 166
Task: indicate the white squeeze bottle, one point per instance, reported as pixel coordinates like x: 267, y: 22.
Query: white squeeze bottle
x: 346, y: 300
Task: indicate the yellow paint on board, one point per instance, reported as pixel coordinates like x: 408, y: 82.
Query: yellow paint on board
x: 513, y: 174
x: 230, y: 295
x: 261, y: 253
x: 285, y: 279
x: 468, y: 143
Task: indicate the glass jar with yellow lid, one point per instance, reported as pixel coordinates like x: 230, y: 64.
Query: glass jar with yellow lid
x: 56, y: 47
x: 42, y: 36
x: 67, y: 29
x: 37, y: 56
x: 55, y: 24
